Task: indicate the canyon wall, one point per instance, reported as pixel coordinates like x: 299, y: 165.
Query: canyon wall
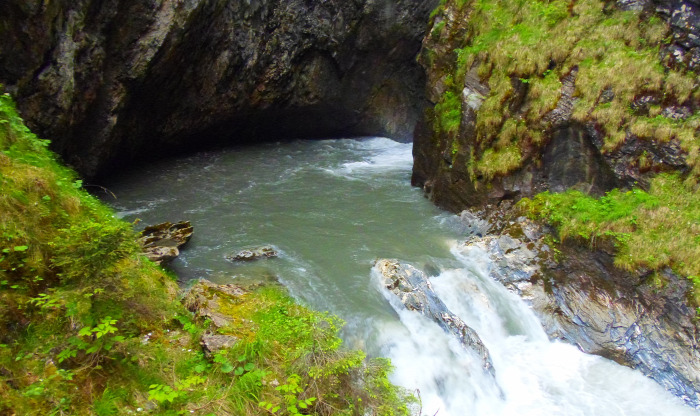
x: 112, y: 82
x: 529, y: 97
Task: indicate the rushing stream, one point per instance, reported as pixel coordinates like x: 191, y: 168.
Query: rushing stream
x: 332, y: 208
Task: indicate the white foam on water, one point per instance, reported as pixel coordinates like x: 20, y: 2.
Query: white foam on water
x: 379, y: 155
x: 534, y: 376
x: 226, y: 195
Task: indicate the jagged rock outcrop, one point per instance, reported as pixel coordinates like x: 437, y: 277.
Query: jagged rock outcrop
x: 583, y: 299
x: 209, y: 301
x: 162, y: 242
x: 115, y: 81
x: 413, y: 289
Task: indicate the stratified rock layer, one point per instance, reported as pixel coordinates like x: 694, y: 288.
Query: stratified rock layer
x: 162, y: 242
x: 120, y: 80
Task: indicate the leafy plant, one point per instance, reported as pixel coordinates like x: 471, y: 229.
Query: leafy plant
x: 162, y: 393
x: 291, y: 402
x: 93, y: 341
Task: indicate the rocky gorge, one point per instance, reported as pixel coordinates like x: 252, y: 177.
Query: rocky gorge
x: 118, y: 81
x: 499, y: 115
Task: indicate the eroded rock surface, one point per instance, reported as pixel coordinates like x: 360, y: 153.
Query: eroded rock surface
x: 207, y: 299
x: 413, y: 289
x: 213, y: 302
x: 251, y: 254
x: 212, y: 343
x: 162, y: 242
x: 119, y: 80
x: 580, y: 297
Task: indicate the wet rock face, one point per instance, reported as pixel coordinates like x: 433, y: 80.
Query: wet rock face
x: 581, y: 298
x: 119, y: 80
x: 570, y: 160
x: 413, y: 289
x: 162, y: 242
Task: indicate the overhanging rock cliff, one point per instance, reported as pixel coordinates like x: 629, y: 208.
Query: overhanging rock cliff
x: 121, y: 80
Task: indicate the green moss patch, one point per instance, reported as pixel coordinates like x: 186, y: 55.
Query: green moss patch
x: 651, y: 230
x: 615, y: 55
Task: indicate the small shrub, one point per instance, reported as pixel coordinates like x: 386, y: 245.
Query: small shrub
x: 88, y: 250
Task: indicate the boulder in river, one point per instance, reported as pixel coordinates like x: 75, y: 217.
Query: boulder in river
x: 161, y: 242
x: 413, y: 288
x: 256, y: 253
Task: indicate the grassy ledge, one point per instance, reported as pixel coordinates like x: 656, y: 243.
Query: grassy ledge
x: 88, y: 326
x: 650, y: 230
x: 588, y: 62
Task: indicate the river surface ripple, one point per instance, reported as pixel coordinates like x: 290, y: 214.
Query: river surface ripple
x: 332, y: 208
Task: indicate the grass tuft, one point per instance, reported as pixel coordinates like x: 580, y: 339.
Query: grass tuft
x: 650, y: 230
x: 615, y: 53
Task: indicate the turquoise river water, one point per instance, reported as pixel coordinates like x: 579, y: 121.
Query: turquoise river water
x: 332, y: 208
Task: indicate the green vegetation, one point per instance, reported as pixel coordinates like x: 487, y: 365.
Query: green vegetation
x: 300, y: 349
x: 449, y: 111
x: 613, y: 54
x: 649, y: 230
x: 89, y: 326
x: 607, y: 65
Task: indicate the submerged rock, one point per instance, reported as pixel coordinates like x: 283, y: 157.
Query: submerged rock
x: 257, y: 253
x: 413, y: 288
x: 161, y: 242
x: 582, y: 298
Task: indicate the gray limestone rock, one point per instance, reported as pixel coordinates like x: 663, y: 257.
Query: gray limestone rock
x: 206, y: 299
x: 257, y: 253
x: 161, y: 242
x: 583, y: 299
x: 212, y: 343
x: 413, y: 289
